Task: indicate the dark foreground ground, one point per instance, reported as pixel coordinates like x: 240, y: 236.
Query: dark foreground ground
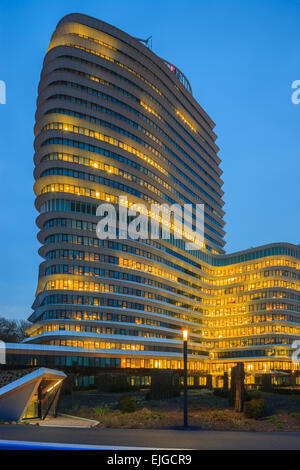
x: 206, y: 411
x: 154, y: 438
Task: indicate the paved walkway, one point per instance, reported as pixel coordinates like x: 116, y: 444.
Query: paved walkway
x: 63, y: 421
x: 152, y: 438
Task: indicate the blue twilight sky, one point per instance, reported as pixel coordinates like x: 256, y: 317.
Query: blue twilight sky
x: 240, y: 57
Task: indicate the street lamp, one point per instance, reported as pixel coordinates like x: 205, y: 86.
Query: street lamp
x: 185, y: 403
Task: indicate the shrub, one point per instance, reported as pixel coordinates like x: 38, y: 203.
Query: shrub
x: 164, y: 385
x: 287, y: 391
x: 113, y: 382
x: 220, y: 392
x: 251, y: 394
x: 127, y: 404
x: 101, y: 410
x: 254, y: 408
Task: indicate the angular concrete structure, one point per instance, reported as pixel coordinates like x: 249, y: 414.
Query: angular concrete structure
x: 34, y: 395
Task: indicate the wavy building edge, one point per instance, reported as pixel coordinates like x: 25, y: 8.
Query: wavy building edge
x: 115, y: 119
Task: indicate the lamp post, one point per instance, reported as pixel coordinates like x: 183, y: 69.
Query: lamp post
x: 185, y: 402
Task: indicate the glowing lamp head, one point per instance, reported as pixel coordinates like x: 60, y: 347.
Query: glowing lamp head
x: 185, y: 334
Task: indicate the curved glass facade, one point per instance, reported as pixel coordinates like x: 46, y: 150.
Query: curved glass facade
x: 113, y: 119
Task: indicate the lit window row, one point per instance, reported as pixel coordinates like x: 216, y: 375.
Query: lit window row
x: 67, y: 127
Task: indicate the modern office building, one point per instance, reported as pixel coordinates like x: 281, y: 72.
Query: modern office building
x: 113, y: 119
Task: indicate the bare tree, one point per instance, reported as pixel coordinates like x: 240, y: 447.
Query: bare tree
x: 13, y: 331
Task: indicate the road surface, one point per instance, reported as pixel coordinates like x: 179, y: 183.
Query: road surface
x: 153, y: 438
